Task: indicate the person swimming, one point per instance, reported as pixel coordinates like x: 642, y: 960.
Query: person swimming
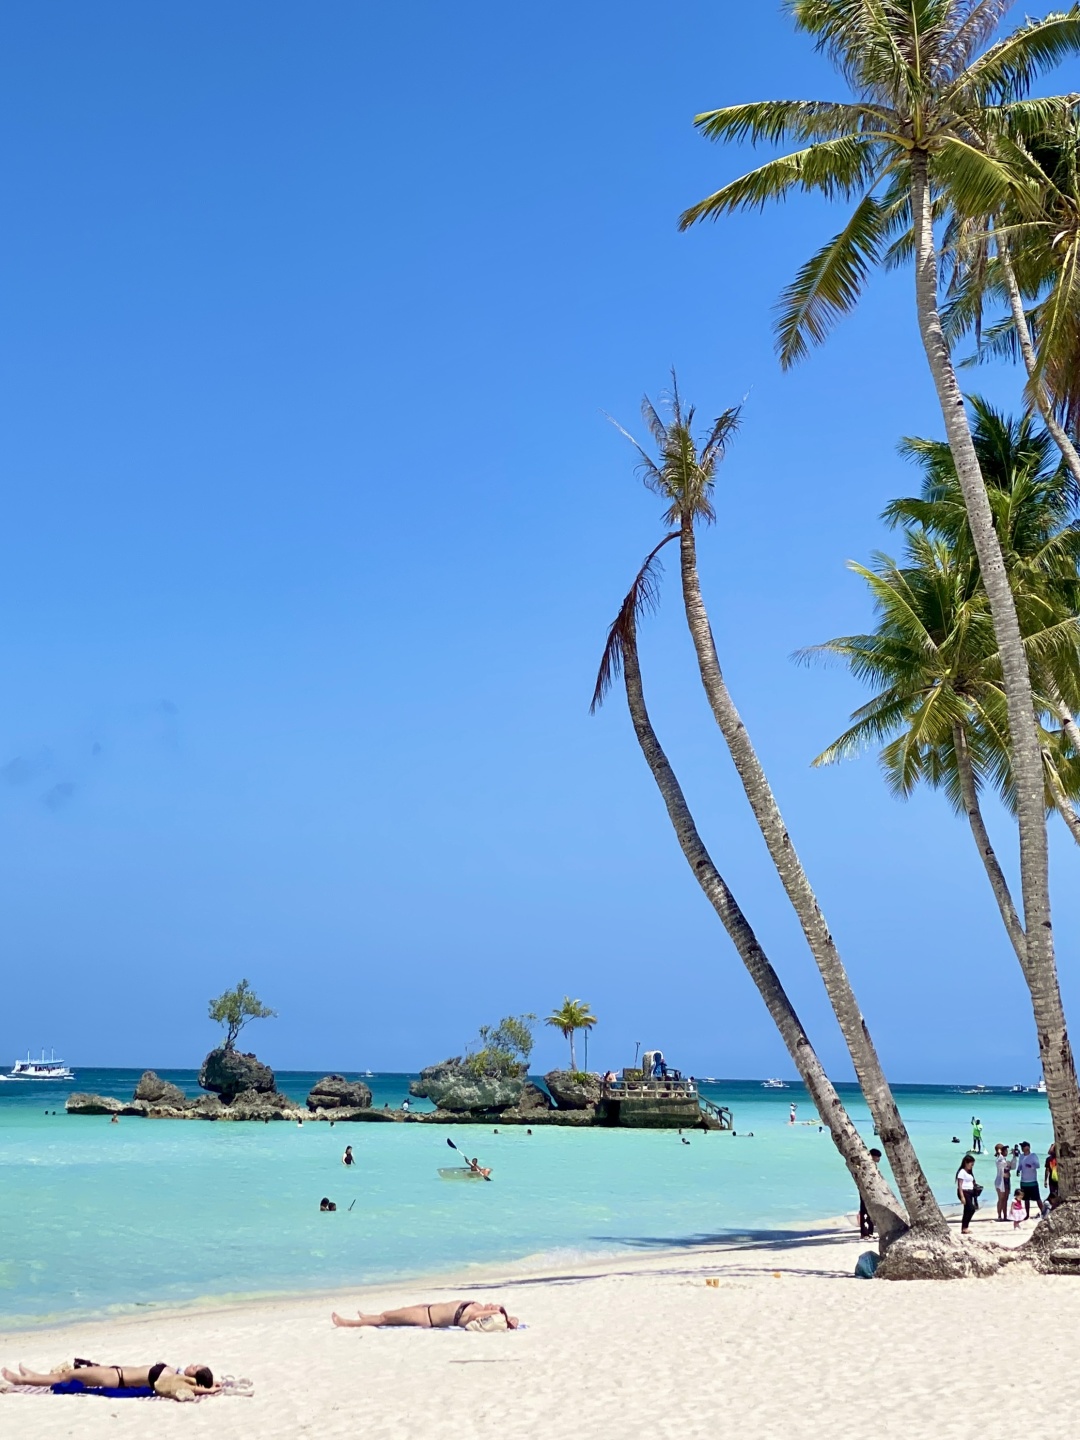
x: 347, y: 1158
x: 326, y: 1205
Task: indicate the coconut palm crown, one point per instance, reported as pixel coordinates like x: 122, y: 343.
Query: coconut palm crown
x: 929, y: 96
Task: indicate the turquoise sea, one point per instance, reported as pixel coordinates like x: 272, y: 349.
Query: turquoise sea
x: 98, y: 1218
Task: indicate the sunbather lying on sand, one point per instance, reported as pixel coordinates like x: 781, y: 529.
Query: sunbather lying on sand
x: 443, y: 1315
x: 198, y: 1379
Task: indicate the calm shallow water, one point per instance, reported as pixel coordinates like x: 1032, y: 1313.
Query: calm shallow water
x: 99, y: 1218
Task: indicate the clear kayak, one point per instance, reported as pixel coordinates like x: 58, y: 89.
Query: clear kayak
x: 459, y: 1172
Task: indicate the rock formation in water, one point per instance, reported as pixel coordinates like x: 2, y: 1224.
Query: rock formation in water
x: 156, y: 1091
x: 230, y: 1072
x: 573, y: 1091
x: 334, y: 1092
x: 452, y: 1087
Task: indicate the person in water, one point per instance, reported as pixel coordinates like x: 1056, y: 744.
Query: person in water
x: 115, y: 1377
x: 347, y: 1158
x: 443, y: 1315
x: 325, y: 1204
x: 478, y: 1169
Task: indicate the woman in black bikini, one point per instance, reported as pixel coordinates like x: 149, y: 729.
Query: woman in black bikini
x: 112, y: 1377
x: 444, y: 1315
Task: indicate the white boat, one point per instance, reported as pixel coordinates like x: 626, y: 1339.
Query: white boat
x: 369, y: 1074
x: 773, y: 1085
x: 1040, y: 1088
x: 42, y: 1069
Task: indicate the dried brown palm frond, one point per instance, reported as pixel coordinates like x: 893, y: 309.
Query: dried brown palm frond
x: 642, y: 597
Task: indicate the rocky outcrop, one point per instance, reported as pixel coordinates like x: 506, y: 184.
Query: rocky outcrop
x: 229, y: 1072
x: 156, y: 1091
x: 533, y: 1099
x: 572, y: 1091
x: 334, y: 1092
x: 450, y: 1086
x: 262, y: 1105
x: 83, y: 1104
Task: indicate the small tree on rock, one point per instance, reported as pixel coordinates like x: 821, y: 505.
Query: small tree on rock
x: 504, y: 1049
x: 235, y: 1008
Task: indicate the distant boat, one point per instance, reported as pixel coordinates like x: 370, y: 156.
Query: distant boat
x: 773, y: 1085
x: 1040, y: 1088
x: 51, y: 1069
x: 369, y: 1074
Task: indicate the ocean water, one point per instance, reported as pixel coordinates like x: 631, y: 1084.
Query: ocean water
x: 98, y: 1218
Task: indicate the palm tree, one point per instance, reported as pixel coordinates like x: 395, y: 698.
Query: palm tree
x: 1029, y: 250
x: 621, y: 656
x: 929, y: 98
x: 1035, y: 505
x: 683, y: 474
x: 571, y: 1016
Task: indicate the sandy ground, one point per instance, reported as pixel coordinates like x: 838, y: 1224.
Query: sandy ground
x: 787, y: 1345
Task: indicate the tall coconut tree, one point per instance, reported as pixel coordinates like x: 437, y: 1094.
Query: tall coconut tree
x: 621, y: 657
x: 683, y: 474
x: 927, y: 93
x: 569, y: 1018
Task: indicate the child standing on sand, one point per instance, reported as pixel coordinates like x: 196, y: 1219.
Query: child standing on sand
x: 1016, y: 1210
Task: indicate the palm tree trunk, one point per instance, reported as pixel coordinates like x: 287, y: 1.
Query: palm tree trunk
x: 911, y: 1181
x: 1000, y: 886
x: 1057, y: 431
x: 1065, y: 715
x: 880, y: 1201
x: 1059, y: 1068
x: 573, y: 1057
x: 1061, y: 800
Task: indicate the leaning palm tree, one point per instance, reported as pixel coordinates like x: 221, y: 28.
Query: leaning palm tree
x: 683, y: 474
x: 621, y: 656
x: 929, y: 97
x: 571, y: 1016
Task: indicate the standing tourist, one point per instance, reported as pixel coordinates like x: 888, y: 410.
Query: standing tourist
x: 976, y: 1136
x: 967, y: 1192
x: 1027, y: 1170
x: 1002, y: 1180
x: 791, y: 1113
x: 1050, y: 1174
x: 866, y: 1224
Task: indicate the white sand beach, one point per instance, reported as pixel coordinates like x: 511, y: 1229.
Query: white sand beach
x: 788, y: 1344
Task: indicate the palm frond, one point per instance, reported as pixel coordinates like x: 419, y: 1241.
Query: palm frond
x: 829, y: 284
x: 642, y: 597
x: 840, y: 167
x: 1006, y: 70
x: 773, y: 121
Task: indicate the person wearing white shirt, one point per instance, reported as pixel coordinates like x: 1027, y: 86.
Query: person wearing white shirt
x: 1027, y: 1170
x: 965, y: 1191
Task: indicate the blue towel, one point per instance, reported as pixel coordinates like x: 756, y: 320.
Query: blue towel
x: 112, y: 1392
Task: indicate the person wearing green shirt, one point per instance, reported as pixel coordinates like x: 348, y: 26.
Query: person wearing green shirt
x: 976, y: 1136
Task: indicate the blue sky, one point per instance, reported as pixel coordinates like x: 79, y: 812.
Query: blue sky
x: 314, y: 526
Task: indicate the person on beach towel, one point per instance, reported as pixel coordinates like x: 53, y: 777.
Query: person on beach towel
x: 443, y: 1315
x: 151, y: 1379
